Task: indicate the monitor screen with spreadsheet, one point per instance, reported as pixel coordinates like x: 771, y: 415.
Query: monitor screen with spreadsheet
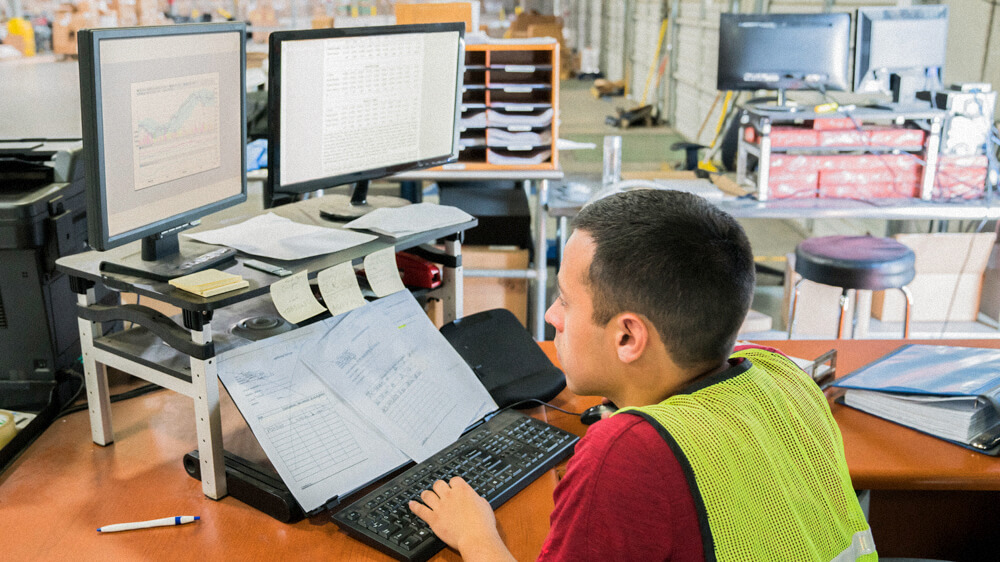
x: 354, y: 104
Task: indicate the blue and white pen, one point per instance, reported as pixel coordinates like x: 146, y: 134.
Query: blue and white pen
x: 166, y: 521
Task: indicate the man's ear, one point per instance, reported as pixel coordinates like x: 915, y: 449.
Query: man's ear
x: 631, y: 336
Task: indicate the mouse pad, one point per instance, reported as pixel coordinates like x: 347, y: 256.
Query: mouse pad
x: 502, y: 354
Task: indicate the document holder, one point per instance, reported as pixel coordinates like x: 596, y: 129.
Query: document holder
x: 502, y: 354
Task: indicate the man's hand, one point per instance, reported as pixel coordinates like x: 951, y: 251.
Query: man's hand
x: 462, y: 519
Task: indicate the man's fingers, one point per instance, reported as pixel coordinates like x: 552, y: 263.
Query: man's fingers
x: 430, y: 498
x: 440, y: 487
x: 458, y: 481
x: 419, y: 509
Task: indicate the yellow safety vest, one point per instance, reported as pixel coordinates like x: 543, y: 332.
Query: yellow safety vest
x: 765, y: 463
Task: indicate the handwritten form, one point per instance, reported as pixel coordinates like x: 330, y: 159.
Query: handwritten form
x: 398, y: 371
x: 320, y: 447
x: 339, y: 403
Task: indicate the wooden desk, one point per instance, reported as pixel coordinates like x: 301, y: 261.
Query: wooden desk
x: 931, y: 498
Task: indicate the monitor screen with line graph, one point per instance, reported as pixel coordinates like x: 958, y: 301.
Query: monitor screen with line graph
x: 164, y: 129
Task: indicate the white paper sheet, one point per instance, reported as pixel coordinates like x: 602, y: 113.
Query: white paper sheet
x: 382, y: 272
x: 320, y: 447
x: 399, y: 372
x: 280, y: 238
x: 411, y: 219
x: 339, y: 287
x: 293, y: 298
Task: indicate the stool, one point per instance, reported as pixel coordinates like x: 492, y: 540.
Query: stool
x: 854, y: 262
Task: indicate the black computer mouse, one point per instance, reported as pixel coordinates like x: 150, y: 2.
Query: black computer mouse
x: 596, y: 413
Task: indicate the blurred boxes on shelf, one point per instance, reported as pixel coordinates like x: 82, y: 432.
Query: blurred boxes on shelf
x: 486, y: 293
x: 960, y: 177
x: 437, y: 12
x: 949, y: 276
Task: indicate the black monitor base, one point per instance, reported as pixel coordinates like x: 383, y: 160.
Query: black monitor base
x: 342, y: 208
x: 169, y: 267
x: 253, y: 485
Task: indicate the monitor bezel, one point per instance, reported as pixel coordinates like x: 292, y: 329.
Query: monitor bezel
x: 869, y: 15
x: 92, y: 115
x: 272, y: 187
x: 744, y: 85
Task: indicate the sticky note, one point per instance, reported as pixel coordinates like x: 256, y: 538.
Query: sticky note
x: 294, y: 299
x: 339, y: 287
x: 383, y: 276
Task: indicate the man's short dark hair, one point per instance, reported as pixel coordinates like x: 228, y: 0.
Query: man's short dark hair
x: 678, y: 260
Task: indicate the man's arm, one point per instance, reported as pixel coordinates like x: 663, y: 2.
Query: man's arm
x: 463, y: 520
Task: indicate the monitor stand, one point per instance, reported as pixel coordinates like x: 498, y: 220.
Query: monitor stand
x: 162, y: 259
x: 782, y: 106
x: 344, y: 208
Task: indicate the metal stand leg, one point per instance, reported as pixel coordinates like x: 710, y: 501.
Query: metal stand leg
x: 452, y: 281
x: 844, y: 301
x: 208, y: 419
x: 96, y: 376
x: 541, y: 259
x: 795, y: 302
x: 906, y: 313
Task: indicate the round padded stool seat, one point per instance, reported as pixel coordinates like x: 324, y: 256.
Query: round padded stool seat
x: 855, y: 262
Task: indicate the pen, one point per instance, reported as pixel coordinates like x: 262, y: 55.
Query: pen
x: 166, y: 521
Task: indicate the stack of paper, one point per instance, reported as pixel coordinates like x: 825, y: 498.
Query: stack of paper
x: 281, y: 238
x: 411, y: 219
x: 209, y: 283
x: 949, y: 392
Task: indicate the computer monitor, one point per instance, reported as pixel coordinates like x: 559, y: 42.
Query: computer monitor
x: 784, y: 52
x: 164, y: 135
x: 354, y: 104
x: 900, y: 51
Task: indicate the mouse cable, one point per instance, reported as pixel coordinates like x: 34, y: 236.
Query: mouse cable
x: 529, y: 401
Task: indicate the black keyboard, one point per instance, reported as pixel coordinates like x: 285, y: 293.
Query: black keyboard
x: 497, y: 458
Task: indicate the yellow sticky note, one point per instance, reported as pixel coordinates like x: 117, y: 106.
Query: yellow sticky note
x: 339, y: 287
x: 293, y: 298
x: 382, y: 273
x: 204, y: 280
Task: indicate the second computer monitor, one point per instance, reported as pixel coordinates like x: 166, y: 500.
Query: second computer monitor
x: 900, y: 50
x: 354, y: 104
x: 784, y: 51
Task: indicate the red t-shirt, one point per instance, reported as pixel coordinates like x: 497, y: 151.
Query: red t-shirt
x: 625, y: 497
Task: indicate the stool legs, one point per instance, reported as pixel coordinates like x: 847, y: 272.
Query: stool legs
x: 843, y: 313
x: 906, y: 313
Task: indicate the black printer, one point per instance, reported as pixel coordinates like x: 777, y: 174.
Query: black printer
x: 42, y: 218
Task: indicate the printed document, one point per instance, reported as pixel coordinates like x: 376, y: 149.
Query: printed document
x: 390, y: 363
x: 411, y: 219
x: 280, y: 238
x: 320, y: 447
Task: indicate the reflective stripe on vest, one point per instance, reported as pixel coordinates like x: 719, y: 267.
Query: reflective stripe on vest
x: 765, y: 463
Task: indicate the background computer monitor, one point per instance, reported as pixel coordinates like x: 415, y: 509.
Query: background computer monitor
x: 164, y: 134
x: 900, y: 50
x: 784, y: 52
x: 354, y: 104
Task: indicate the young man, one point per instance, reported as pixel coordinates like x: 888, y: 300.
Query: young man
x: 715, y: 454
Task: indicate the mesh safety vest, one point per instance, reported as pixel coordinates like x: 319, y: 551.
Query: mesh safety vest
x: 765, y: 463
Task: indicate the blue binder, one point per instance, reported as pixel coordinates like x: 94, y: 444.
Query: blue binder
x: 936, y: 370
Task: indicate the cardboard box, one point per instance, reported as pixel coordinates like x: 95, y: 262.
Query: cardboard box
x: 756, y: 322
x: 989, y: 302
x: 435, y: 13
x: 948, y: 282
x: 817, y: 308
x: 486, y: 293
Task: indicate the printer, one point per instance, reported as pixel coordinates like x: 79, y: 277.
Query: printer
x: 42, y: 218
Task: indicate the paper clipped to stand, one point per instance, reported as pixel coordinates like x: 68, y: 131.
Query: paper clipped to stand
x: 382, y: 272
x: 391, y: 364
x: 319, y: 445
x: 341, y: 402
x: 293, y: 297
x: 340, y: 289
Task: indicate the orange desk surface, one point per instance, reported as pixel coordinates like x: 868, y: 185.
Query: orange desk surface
x: 63, y: 487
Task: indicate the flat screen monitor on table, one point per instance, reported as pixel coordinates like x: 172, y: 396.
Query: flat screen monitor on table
x: 900, y: 51
x: 164, y: 131
x: 346, y: 106
x: 784, y: 52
